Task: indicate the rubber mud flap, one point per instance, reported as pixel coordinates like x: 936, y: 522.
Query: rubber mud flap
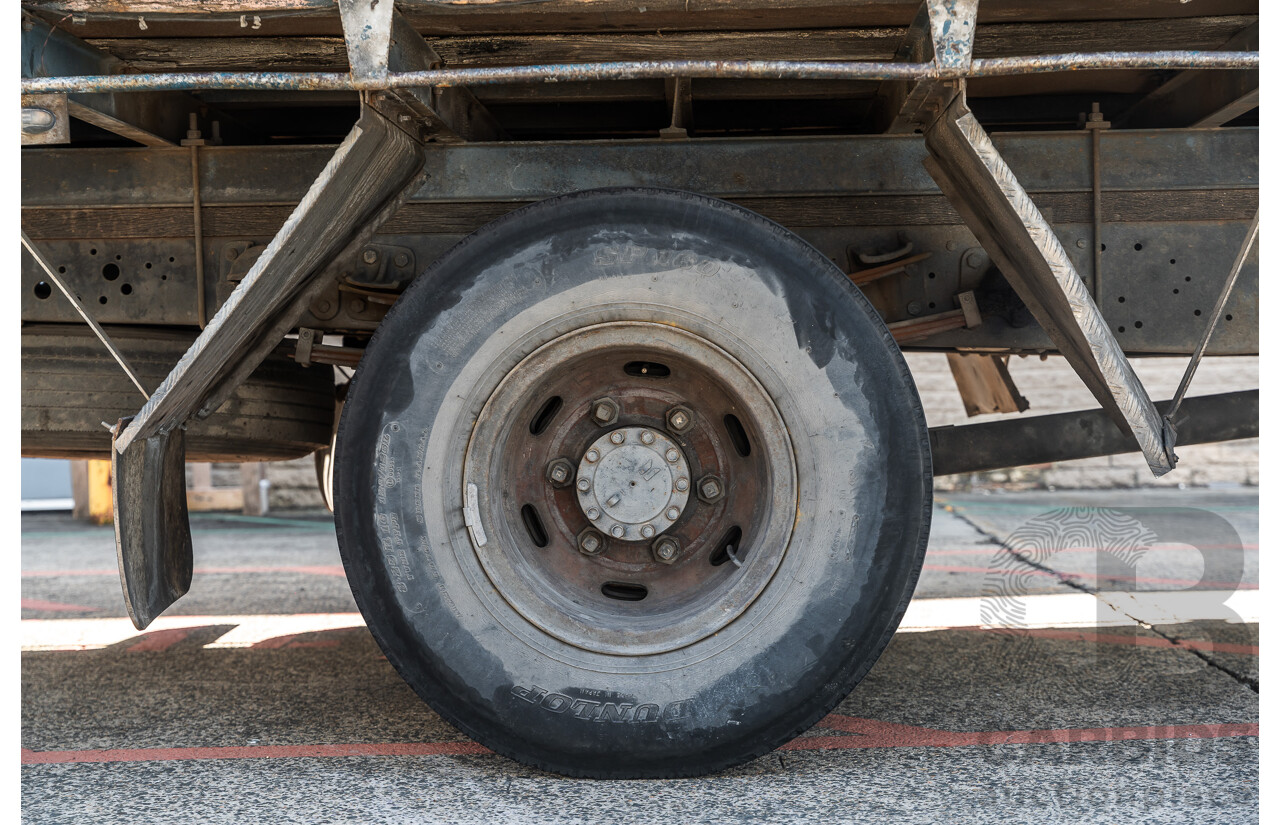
x: 610, y: 669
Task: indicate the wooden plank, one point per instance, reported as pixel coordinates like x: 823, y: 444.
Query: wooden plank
x: 985, y: 384
x: 215, y: 499
x: 53, y: 223
x: 166, y: 18
x: 996, y: 40
x: 1203, y: 99
x: 252, y: 473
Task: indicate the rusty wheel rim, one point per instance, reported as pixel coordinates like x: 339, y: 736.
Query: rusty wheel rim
x: 634, y: 487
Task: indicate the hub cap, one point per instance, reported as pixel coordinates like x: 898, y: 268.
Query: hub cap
x: 636, y: 483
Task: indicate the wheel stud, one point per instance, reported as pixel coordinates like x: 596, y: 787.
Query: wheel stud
x: 616, y: 531
x: 593, y: 456
x: 710, y: 489
x: 593, y: 513
x: 672, y: 455
x: 646, y: 437
x: 604, y: 411
x: 560, y: 472
x: 682, y: 484
x: 666, y: 549
x: 590, y: 542
x: 647, y: 531
x: 673, y: 513
x: 584, y: 485
x: 617, y: 437
x: 679, y: 419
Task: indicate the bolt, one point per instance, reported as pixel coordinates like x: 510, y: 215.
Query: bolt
x: 666, y: 549
x: 357, y: 305
x: 913, y: 308
x: 616, y: 531
x: 402, y: 259
x: 646, y: 437
x: 371, y: 256
x: 679, y: 419
x: 673, y: 513
x: 617, y: 437
x: 593, y: 514
x: 559, y: 472
x: 1080, y: 243
x: 710, y: 489
x: 951, y: 246
x: 647, y: 531
x: 673, y: 455
x: 974, y: 258
x: 590, y: 542
x: 584, y: 484
x: 682, y: 484
x: 604, y: 411
x: 593, y: 456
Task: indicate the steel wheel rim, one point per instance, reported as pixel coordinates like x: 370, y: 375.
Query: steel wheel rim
x: 589, y: 599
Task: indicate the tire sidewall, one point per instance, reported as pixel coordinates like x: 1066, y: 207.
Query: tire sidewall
x: 770, y: 300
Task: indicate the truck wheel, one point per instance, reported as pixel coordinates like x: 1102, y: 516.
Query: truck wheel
x: 632, y: 483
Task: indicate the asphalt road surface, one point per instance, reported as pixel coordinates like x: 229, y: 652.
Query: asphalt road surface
x: 1069, y: 657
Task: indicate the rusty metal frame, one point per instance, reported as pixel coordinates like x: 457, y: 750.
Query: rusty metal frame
x: 640, y: 70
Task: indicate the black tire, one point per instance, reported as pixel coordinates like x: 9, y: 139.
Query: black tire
x: 70, y: 384
x: 692, y: 265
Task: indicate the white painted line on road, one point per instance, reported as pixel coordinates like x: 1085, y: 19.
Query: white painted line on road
x: 1107, y: 609
x: 1054, y: 610
x: 242, y: 631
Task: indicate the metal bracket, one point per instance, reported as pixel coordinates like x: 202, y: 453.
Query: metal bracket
x: 366, y: 26
x: 942, y: 33
x: 982, y: 188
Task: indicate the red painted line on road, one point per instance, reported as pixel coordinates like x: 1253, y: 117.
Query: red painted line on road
x: 869, y: 733
x: 314, y: 569
x: 295, y: 640
x: 862, y: 733
x: 1068, y: 574
x: 1121, y: 639
x: 56, y: 607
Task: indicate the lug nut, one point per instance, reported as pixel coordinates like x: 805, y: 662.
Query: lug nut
x: 710, y: 489
x: 584, y: 484
x: 617, y: 437
x: 590, y: 542
x: 593, y: 456
x: 616, y: 531
x: 647, y: 531
x: 673, y: 455
x: 593, y: 513
x: 666, y: 549
x: 673, y: 513
x: 604, y: 411
x: 560, y: 472
x: 646, y: 437
x: 682, y: 484
x: 679, y: 419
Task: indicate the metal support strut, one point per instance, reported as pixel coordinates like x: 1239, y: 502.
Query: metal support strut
x: 975, y: 178
x: 371, y: 173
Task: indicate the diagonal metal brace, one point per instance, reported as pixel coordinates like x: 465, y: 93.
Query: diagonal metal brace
x: 368, y: 177
x: 982, y: 188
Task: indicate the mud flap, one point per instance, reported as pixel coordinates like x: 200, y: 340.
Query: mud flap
x: 365, y: 182
x: 153, y: 535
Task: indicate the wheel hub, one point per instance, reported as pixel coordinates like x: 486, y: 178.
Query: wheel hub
x: 633, y: 483
x: 635, y: 486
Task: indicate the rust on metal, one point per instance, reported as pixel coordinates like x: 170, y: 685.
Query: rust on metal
x: 644, y: 69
